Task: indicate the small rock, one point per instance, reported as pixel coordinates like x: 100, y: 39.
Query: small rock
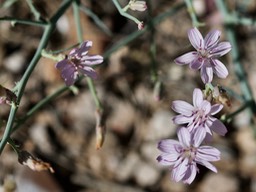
x: 242, y: 119
x: 122, y: 118
x: 160, y: 126
x: 28, y: 180
x: 127, y: 167
x: 219, y: 182
x: 146, y: 174
x: 246, y: 141
x: 63, y: 25
x: 149, y: 151
x: 15, y: 62
x: 39, y: 135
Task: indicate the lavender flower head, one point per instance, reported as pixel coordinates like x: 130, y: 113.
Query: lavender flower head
x: 199, y: 115
x: 78, y: 60
x: 205, y: 58
x: 184, y: 155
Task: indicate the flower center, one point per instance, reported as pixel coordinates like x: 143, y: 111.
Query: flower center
x: 204, y: 53
x: 189, y: 153
x: 199, y: 117
x: 74, y: 60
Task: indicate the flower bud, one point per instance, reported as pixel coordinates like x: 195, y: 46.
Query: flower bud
x: 141, y: 25
x: 137, y: 5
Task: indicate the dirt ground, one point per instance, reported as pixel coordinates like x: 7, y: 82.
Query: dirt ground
x: 62, y: 132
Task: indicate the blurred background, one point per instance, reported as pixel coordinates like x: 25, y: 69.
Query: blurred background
x: 63, y: 131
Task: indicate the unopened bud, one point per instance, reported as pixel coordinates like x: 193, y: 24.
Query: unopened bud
x: 100, y: 129
x: 141, y: 25
x: 100, y: 136
x: 157, y: 90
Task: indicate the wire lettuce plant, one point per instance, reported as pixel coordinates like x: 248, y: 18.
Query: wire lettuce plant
x: 76, y: 61
x: 196, y: 121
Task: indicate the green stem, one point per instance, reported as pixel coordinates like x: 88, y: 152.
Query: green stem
x: 36, y: 13
x: 24, y: 21
x: 227, y: 118
x: 97, y: 20
x: 154, y: 75
x: 20, y: 87
x: 126, y: 8
x: 13, y: 145
x: 192, y: 14
x: 123, y: 13
x: 136, y: 34
x: 8, y: 129
x: 80, y: 39
x: 52, y: 56
x: 39, y: 105
x: 238, y: 68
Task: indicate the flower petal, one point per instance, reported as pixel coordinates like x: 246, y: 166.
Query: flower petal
x: 167, y: 159
x: 218, y: 127
x: 208, y: 138
x: 196, y: 39
x: 221, y: 49
x: 62, y: 64
x: 197, y: 63
x: 179, y: 170
x: 212, y: 38
x: 88, y: 71
x: 208, y: 165
x: 181, y: 119
x: 83, y: 49
x: 219, y: 68
x: 184, y: 137
x: 91, y: 60
x: 186, y: 58
x: 206, y: 107
x: 169, y: 146
x: 68, y: 71
x: 208, y: 153
x: 182, y: 107
x: 198, y: 136
x: 206, y: 74
x: 197, y: 97
x: 216, y: 108
x: 190, y: 173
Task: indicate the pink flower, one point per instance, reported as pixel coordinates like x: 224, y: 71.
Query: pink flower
x: 208, y: 50
x: 184, y: 155
x: 78, y: 60
x: 198, y: 115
